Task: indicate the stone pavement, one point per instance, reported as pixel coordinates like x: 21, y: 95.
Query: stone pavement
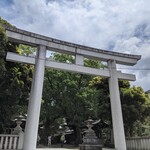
x: 57, y: 148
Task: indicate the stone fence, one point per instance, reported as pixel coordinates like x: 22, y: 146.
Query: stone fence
x: 10, y: 141
x: 138, y: 143
x: 15, y: 142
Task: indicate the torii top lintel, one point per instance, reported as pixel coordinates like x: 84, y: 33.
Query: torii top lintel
x: 33, y: 39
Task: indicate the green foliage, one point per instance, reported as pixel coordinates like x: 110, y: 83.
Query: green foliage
x: 63, y: 58
x: 103, y: 100
x: 4, y: 23
x: 134, y: 104
x: 3, y: 41
x: 77, y: 96
x: 25, y: 50
x: 93, y: 63
x: 68, y: 95
x: 15, y: 82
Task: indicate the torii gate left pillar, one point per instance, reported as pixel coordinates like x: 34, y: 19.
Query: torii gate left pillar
x: 34, y: 106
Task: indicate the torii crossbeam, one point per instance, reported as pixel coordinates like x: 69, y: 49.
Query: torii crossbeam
x: 80, y: 52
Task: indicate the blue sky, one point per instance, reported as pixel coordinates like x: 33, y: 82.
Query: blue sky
x: 115, y: 25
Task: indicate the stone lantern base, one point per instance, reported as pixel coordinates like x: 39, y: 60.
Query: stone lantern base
x: 90, y: 140
x: 90, y: 147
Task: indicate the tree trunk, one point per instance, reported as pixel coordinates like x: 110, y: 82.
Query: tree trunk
x: 78, y: 135
x: 45, y: 133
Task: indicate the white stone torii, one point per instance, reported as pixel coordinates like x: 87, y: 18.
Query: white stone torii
x: 80, y: 52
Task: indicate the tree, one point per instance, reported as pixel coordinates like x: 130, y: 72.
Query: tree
x: 103, y: 107
x: 135, y: 103
x: 25, y: 50
x: 15, y: 82
x: 68, y: 95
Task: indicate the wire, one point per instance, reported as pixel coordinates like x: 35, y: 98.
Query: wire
x: 144, y: 69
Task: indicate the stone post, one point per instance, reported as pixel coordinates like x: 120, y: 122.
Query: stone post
x: 118, y: 128
x: 20, y: 142
x: 31, y: 129
x: 18, y: 128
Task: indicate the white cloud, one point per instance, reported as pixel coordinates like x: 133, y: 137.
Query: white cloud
x: 119, y: 25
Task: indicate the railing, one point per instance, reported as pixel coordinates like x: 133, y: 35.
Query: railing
x: 138, y: 143
x: 8, y: 141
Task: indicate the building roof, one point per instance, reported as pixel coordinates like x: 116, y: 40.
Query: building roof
x: 147, y: 92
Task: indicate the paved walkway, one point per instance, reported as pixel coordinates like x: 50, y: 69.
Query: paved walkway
x: 57, y: 148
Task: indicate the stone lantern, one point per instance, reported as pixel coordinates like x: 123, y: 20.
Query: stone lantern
x: 90, y: 140
x: 18, y: 119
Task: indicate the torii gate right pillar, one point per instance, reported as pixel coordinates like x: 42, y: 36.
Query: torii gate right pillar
x: 116, y: 111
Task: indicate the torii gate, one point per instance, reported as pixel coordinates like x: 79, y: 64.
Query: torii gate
x: 45, y: 43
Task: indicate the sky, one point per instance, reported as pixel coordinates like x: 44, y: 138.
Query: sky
x: 114, y: 25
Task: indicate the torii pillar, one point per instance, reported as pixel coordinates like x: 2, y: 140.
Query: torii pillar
x: 34, y: 106
x: 116, y: 111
